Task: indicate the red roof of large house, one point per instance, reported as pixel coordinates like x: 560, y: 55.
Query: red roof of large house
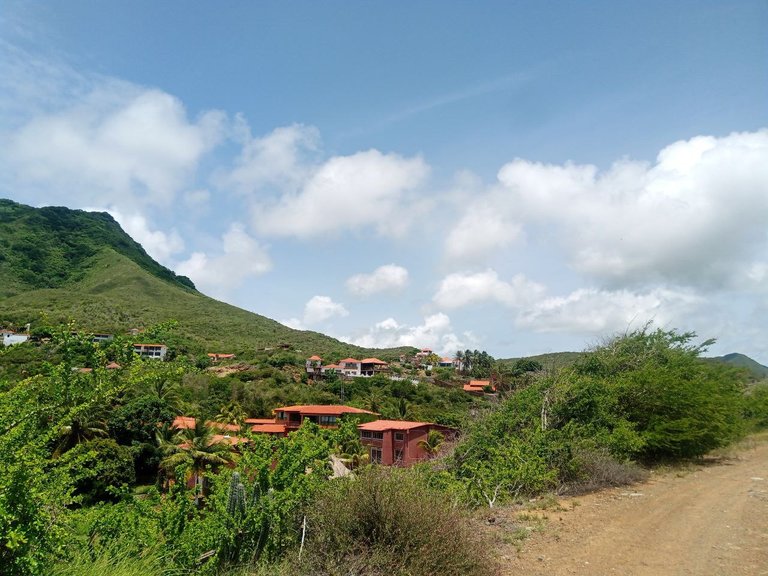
x: 323, y: 409
x: 259, y: 420
x: 315, y: 357
x: 349, y: 361
x: 372, y: 361
x: 382, y: 425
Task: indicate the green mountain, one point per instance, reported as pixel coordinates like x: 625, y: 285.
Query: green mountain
x: 757, y: 370
x: 59, y: 265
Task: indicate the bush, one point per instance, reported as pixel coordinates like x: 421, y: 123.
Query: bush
x: 596, y: 469
x: 386, y: 521
x: 98, y: 468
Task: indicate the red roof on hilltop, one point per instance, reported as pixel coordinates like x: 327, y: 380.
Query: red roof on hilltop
x: 323, y: 409
x: 349, y: 361
x: 315, y: 357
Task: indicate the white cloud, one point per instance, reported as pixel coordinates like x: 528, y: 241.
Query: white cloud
x: 158, y: 244
x: 364, y: 191
x: 482, y: 229
x: 695, y: 217
x: 279, y: 159
x: 460, y: 289
x: 241, y: 257
x: 317, y: 309
x: 387, y: 278
x: 435, y: 333
x: 119, y: 144
x: 595, y: 311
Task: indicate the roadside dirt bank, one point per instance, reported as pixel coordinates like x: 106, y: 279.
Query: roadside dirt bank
x: 710, y: 519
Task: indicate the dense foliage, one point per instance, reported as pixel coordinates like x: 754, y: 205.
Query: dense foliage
x: 48, y: 247
x: 94, y: 480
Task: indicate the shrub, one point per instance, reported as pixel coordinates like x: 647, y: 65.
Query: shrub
x: 596, y: 469
x: 386, y: 521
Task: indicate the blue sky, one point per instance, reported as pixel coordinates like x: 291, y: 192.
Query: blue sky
x: 519, y: 177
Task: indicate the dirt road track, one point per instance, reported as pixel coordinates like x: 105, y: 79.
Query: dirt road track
x: 710, y: 521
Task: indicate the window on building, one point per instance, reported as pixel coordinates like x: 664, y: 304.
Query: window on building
x: 376, y: 455
x: 399, y: 455
x: 328, y: 420
x: 368, y: 435
x: 399, y: 436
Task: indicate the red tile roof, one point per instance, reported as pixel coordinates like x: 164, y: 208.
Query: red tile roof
x: 478, y: 385
x: 222, y: 426
x: 382, y: 425
x: 322, y: 409
x: 259, y: 420
x: 315, y: 357
x: 373, y: 361
x: 332, y: 367
x: 349, y: 361
x: 268, y: 428
x: 183, y: 423
x: 113, y: 366
x: 231, y: 440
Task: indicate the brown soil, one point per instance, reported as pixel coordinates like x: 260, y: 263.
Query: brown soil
x: 710, y: 519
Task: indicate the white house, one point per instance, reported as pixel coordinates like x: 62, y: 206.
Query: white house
x: 11, y: 338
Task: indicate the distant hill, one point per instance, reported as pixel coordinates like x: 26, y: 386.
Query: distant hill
x: 757, y: 370
x: 551, y: 360
x: 58, y: 265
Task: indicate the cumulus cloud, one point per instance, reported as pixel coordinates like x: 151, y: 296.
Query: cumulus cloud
x: 119, y: 144
x: 387, y: 278
x: 481, y: 230
x: 367, y: 190
x: 317, y: 309
x: 280, y: 159
x: 158, y: 244
x: 694, y: 217
x: 594, y: 311
x: 460, y: 289
x: 241, y: 257
x: 435, y: 333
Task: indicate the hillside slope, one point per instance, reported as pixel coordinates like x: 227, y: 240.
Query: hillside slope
x: 50, y: 247
x: 757, y: 370
x: 115, y: 294
x: 59, y: 265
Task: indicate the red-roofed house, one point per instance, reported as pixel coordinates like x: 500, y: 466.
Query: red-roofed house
x: 350, y: 367
x: 397, y: 442
x: 479, y: 387
x: 325, y: 416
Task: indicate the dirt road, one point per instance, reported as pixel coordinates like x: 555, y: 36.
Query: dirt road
x: 710, y: 521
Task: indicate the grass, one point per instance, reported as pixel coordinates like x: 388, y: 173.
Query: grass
x: 116, y: 294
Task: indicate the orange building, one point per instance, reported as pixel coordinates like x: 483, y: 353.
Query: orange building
x: 398, y: 442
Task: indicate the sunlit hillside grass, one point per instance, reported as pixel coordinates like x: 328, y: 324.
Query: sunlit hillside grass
x: 114, y: 295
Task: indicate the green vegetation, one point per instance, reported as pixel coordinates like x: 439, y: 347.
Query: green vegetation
x: 49, y: 247
x: 94, y: 480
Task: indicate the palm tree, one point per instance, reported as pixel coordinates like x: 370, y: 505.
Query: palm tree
x: 197, y: 448
x: 432, y: 443
x: 82, y: 428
